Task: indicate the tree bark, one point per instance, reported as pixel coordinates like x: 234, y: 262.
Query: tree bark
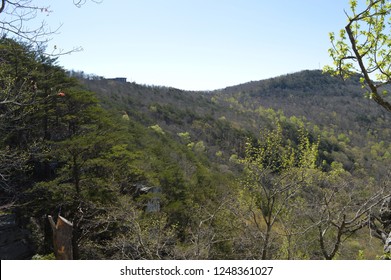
x: 62, y: 238
x: 385, y: 216
x: 2, y: 6
x: 387, y: 247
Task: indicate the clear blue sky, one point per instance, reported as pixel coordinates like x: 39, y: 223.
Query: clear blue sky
x: 196, y: 44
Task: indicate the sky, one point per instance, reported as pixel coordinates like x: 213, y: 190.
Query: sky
x: 195, y: 44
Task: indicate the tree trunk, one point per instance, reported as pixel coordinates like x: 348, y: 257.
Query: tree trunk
x: 265, y: 247
x: 385, y: 216
x: 387, y: 247
x: 62, y: 238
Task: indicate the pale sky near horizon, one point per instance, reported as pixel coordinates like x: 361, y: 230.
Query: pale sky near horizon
x: 196, y: 44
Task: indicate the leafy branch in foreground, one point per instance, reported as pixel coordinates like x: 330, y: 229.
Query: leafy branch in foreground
x: 364, y: 47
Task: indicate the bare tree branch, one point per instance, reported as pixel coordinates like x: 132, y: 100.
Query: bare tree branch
x: 79, y: 3
x: 20, y: 19
x: 2, y: 6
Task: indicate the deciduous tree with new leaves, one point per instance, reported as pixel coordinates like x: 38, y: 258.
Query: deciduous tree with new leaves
x: 364, y: 47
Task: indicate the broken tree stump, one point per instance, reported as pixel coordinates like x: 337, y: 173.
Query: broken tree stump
x: 62, y: 238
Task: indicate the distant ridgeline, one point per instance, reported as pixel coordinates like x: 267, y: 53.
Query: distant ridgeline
x: 119, y: 79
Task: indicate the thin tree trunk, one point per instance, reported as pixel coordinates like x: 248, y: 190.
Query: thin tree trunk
x: 265, y: 246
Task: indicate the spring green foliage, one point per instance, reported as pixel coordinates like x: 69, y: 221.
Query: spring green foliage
x: 275, y: 173
x: 147, y: 172
x: 363, y: 47
x: 289, y: 196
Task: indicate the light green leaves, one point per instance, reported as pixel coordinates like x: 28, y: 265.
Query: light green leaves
x: 353, y: 4
x: 364, y: 47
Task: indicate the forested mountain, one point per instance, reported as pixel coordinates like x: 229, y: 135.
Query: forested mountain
x: 352, y: 129
x: 331, y: 108
x: 294, y: 167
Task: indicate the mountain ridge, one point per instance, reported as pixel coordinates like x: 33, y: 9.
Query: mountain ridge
x: 307, y: 80
x: 331, y: 108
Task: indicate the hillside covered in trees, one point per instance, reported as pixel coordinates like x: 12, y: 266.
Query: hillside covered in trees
x: 294, y: 167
